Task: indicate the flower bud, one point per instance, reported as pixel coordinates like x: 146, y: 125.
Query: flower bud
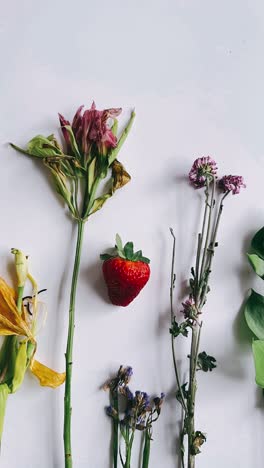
x: 21, y: 262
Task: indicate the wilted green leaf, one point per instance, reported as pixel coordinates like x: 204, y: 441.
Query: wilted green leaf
x: 99, y: 202
x: 20, y: 366
x: 115, y: 127
x: 257, y: 264
x: 74, y: 145
x: 258, y: 352
x: 119, y: 175
x: 257, y: 243
x: 4, y: 391
x: 254, y: 314
x: 61, y: 188
x: 114, y: 152
x: 43, y: 147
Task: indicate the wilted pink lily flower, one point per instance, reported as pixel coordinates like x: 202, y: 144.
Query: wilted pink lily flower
x: 203, y: 169
x: 231, y: 183
x: 90, y: 129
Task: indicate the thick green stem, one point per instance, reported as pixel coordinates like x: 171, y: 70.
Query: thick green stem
x: 4, y: 392
x: 69, y: 350
x: 20, y: 292
x: 146, y: 450
x: 129, y: 450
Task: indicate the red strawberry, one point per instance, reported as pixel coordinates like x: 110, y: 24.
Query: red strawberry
x: 125, y: 273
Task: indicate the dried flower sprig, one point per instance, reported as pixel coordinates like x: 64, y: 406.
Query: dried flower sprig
x: 139, y: 412
x: 18, y: 323
x: 203, y: 174
x: 89, y: 155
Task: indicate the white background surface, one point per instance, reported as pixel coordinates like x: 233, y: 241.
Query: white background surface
x: 194, y: 72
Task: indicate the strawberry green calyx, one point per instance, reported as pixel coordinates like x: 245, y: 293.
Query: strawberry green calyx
x: 126, y: 252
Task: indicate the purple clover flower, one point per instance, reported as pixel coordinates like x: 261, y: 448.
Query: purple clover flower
x: 203, y: 169
x: 189, y: 309
x: 231, y: 183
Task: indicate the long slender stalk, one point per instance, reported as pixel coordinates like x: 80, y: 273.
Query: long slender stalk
x: 212, y: 247
x: 129, y: 450
x: 173, y: 277
x: 206, y: 244
x: 69, y: 350
x: 146, y: 450
x: 192, y: 394
x: 115, y: 429
x: 196, y: 330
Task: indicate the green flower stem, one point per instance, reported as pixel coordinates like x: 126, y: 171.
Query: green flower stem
x: 115, y: 429
x: 129, y: 450
x: 146, y: 450
x: 211, y: 249
x: 206, y: 244
x: 92, y: 194
x: 4, y: 392
x: 20, y: 292
x: 173, y: 277
x: 201, y: 236
x: 192, y: 394
x: 196, y: 330
x: 69, y: 349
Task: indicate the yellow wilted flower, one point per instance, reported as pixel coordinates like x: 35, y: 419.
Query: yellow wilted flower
x: 18, y: 324
x: 12, y: 323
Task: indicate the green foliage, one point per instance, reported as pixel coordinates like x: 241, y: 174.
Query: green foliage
x: 254, y: 307
x: 258, y: 353
x: 257, y: 264
x: 254, y: 314
x: 205, y: 362
x: 180, y: 328
x: 257, y: 243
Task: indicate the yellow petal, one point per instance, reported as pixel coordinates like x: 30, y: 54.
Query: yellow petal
x: 47, y: 377
x: 11, y: 322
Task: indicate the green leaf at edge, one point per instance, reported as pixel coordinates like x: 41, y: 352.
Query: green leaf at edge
x: 258, y: 352
x: 254, y: 314
x: 257, y: 264
x: 257, y: 243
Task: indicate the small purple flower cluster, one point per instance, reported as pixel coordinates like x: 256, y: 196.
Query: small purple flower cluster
x: 204, y: 171
x: 121, y: 380
x: 232, y: 184
x: 140, y: 411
